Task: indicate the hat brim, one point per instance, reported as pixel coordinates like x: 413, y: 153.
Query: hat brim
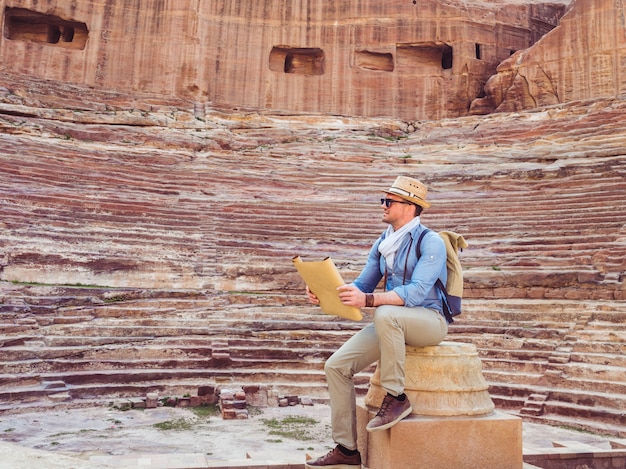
x: 413, y: 200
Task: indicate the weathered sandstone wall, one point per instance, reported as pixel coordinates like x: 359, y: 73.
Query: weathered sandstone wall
x: 584, y: 58
x: 407, y: 59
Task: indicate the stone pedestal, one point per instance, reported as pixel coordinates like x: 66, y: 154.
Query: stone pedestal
x: 453, y: 423
x: 492, y: 441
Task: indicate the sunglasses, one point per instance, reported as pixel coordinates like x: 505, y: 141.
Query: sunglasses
x: 388, y: 202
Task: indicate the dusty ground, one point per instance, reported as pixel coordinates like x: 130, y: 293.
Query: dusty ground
x: 67, y: 439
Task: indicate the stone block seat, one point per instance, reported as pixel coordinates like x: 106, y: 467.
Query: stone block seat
x: 453, y: 422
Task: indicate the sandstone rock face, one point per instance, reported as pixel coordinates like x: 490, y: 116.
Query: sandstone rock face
x: 581, y: 59
x: 402, y: 58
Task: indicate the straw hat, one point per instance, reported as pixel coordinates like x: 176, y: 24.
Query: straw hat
x: 410, y: 190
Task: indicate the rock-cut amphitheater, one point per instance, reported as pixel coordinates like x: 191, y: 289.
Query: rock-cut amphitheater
x: 162, y: 162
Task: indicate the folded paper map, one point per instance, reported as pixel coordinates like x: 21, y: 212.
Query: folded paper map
x: 323, y: 278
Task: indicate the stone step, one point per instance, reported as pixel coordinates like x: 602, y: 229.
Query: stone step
x: 507, y: 402
x: 83, y: 392
x: 64, y: 335
x: 595, y: 372
x: 131, y: 375
x: 599, y: 335
x: 587, y: 385
x: 301, y: 362
x: 570, y: 233
x: 585, y: 413
x: 523, y: 355
x: 516, y: 366
x: 512, y: 377
x: 501, y: 341
x: 98, y: 394
x: 589, y: 398
x: 597, y: 427
x: 535, y: 310
x: 331, y: 335
x: 168, y: 348
x: 599, y: 346
x: 513, y: 329
x: 517, y: 395
x: 534, y: 405
x: 521, y: 320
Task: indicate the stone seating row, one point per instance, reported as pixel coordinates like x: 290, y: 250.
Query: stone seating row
x: 111, y: 344
x: 254, y: 247
x: 138, y: 173
x: 134, y: 345
x: 579, y: 365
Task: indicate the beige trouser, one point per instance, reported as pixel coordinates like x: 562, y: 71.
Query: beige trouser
x: 384, y: 340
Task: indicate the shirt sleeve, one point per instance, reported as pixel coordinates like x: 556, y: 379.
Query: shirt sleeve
x: 371, y: 274
x: 421, y: 290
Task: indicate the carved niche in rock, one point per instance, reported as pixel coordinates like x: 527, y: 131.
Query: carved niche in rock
x: 21, y: 24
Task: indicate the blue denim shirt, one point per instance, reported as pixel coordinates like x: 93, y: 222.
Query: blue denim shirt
x: 418, y: 288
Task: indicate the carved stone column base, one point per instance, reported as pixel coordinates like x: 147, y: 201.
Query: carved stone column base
x: 443, y: 380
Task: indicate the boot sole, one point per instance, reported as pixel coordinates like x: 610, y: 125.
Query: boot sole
x: 335, y: 466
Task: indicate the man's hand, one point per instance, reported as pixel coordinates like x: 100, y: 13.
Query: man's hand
x: 312, y: 296
x: 351, y: 296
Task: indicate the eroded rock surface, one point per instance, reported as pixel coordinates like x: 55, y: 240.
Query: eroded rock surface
x: 581, y: 59
x: 402, y: 58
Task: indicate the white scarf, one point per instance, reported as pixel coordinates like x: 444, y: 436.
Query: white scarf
x: 393, y: 239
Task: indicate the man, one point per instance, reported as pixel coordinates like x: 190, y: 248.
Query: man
x: 408, y: 312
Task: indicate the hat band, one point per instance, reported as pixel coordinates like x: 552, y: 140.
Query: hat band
x: 399, y: 191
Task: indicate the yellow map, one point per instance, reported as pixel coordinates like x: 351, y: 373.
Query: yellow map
x: 323, y: 278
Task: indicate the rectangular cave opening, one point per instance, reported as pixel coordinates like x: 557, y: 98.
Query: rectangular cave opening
x: 368, y: 60
x: 21, y: 24
x: 426, y: 55
x: 479, y: 50
x: 297, y: 60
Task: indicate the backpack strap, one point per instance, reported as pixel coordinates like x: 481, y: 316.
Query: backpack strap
x: 439, y: 284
